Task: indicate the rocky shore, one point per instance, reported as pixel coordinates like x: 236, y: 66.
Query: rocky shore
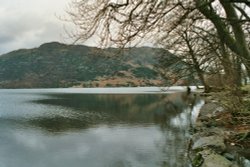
x: 212, y: 143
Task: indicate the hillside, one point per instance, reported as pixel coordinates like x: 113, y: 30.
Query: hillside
x: 59, y: 65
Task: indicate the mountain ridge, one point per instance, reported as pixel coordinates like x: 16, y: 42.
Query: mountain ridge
x: 56, y: 64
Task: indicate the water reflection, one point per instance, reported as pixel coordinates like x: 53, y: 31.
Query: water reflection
x: 95, y: 130
x: 90, y: 109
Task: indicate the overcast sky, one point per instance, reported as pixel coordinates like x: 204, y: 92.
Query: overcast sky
x: 29, y: 23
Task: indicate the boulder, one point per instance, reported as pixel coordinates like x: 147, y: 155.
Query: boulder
x: 209, y: 109
x: 216, y: 160
x: 216, y: 142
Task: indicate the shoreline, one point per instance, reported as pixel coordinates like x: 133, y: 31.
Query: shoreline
x: 209, y: 144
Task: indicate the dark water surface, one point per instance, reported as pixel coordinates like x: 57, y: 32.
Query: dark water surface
x: 52, y: 128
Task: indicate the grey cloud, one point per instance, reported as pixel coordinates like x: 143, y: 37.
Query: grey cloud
x: 29, y: 23
x: 28, y: 32
x: 5, y: 38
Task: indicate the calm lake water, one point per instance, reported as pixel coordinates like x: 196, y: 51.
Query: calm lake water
x: 95, y: 128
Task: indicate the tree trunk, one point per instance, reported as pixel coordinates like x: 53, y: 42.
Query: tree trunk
x: 241, y: 44
x: 232, y: 68
x: 197, y: 66
x: 236, y: 42
x: 203, y: 81
x: 238, y: 73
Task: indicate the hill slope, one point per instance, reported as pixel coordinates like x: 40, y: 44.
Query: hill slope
x: 59, y: 65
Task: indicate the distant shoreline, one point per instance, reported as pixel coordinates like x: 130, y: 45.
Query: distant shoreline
x: 117, y: 90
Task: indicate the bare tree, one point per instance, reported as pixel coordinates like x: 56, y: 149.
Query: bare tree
x: 229, y: 20
x: 194, y: 22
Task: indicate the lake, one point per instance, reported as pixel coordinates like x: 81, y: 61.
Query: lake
x: 102, y: 127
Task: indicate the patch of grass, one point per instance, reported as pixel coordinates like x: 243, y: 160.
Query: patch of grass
x: 246, y: 88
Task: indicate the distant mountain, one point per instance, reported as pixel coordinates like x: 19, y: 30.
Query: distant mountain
x: 59, y: 65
